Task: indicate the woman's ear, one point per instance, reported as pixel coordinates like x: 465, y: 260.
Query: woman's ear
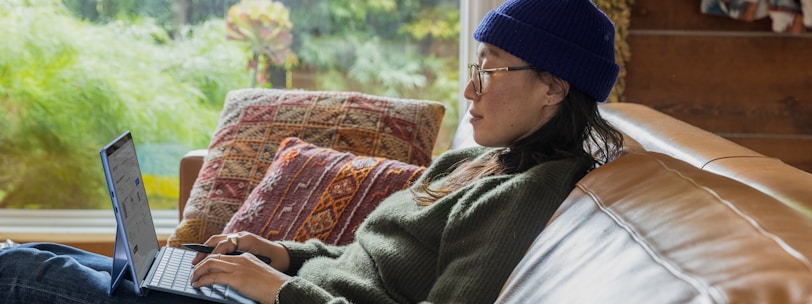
x: 559, y: 88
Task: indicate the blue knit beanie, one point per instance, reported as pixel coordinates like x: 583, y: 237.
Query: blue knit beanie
x: 571, y: 39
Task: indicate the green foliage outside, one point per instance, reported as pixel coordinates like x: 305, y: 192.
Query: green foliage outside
x: 68, y: 87
x: 75, y: 75
x: 404, y: 48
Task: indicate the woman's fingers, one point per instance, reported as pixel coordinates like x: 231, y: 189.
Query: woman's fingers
x: 199, y: 257
x: 221, y: 245
x: 219, y: 263
x: 225, y: 243
x: 245, y: 273
x: 215, y: 239
x: 210, y: 271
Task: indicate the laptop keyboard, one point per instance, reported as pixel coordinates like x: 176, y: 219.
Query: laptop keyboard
x: 174, y: 271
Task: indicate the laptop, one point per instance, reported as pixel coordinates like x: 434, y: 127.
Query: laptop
x: 137, y: 254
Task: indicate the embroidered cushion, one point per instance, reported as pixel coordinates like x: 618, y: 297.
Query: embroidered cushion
x: 312, y: 192
x: 254, y: 121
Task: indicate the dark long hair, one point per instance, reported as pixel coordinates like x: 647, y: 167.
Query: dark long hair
x: 576, y: 131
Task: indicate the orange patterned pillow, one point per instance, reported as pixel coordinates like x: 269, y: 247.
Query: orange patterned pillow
x: 255, y: 121
x: 312, y: 192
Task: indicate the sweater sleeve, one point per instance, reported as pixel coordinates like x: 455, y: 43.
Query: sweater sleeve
x: 491, y: 227
x: 302, y: 252
x: 300, y: 291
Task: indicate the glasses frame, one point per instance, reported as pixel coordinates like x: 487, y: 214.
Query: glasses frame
x: 475, y: 74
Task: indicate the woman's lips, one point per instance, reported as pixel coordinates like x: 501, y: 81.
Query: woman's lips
x: 475, y: 117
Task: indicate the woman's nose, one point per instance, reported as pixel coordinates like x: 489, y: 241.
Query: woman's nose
x: 469, y: 92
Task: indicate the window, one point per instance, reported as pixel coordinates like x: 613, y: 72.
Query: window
x: 161, y: 69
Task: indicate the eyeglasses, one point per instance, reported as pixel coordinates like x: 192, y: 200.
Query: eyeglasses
x: 475, y: 74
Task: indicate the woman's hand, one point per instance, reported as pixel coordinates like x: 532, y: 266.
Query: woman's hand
x: 244, y: 273
x: 247, y: 242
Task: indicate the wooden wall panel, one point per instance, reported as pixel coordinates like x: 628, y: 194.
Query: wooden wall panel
x: 725, y: 84
x: 734, y: 78
x: 794, y: 151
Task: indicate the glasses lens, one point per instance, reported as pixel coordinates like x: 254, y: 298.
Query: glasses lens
x: 473, y: 71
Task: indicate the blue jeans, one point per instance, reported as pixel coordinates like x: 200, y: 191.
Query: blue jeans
x: 54, y: 273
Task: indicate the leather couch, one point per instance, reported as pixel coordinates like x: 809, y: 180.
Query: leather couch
x: 683, y: 216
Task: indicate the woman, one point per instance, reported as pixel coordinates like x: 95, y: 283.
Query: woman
x: 457, y: 234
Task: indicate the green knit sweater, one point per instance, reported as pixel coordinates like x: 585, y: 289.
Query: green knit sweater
x: 460, y: 249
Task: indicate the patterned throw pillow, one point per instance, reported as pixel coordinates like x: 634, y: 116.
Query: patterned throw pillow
x: 312, y: 192
x: 255, y: 121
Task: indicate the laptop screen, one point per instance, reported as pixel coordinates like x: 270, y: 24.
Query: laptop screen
x: 130, y: 203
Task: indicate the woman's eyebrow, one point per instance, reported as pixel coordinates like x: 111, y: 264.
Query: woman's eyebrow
x: 485, y: 51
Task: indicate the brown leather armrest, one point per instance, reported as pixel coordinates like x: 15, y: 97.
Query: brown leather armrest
x: 658, y: 132
x: 190, y: 166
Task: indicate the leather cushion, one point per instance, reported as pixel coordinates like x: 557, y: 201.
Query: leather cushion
x: 648, y: 228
